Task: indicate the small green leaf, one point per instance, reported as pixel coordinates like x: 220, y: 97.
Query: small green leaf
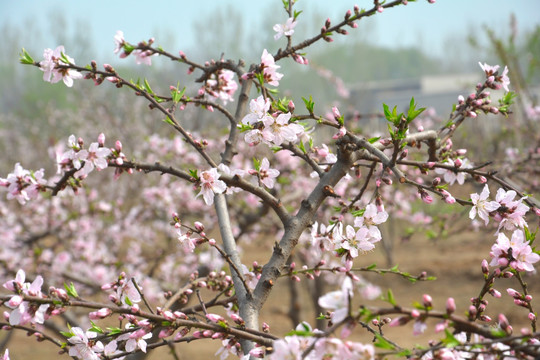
x: 390, y: 298
x: 168, y: 120
x: 147, y: 87
x: 114, y: 330
x: 382, y: 343
x: 309, y: 104
x: 450, y: 340
x: 373, y: 139
x: 70, y: 289
x: 96, y: 328
x: 25, y: 58
x: 67, y: 334
x: 256, y: 164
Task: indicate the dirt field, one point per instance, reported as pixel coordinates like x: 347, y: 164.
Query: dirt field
x: 455, y: 262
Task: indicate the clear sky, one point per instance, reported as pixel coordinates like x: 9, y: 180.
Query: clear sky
x: 419, y: 22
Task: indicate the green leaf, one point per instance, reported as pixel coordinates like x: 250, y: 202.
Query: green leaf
x: 256, y: 164
x: 373, y: 139
x: 25, y: 58
x: 168, y: 120
x: 67, y: 334
x: 382, y: 343
x: 96, y: 328
x: 114, y: 330
x: 372, y: 266
x: 128, y: 48
x: 70, y: 289
x: 147, y: 87
x: 302, y: 147
x: 177, y: 95
x: 128, y: 301
x: 309, y: 104
x: 450, y: 340
x: 390, y: 298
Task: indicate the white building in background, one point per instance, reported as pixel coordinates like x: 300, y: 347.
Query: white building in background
x: 436, y: 91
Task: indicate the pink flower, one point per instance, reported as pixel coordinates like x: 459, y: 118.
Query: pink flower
x: 16, y: 183
x: 451, y: 176
x: 94, y: 157
x: 82, y: 348
x: 286, y: 29
x: 258, y: 110
x: 136, y: 339
x: 266, y: 175
x: 279, y: 130
x: 370, y: 219
x: 52, y: 73
x: 210, y: 185
x: 355, y: 242
x: 143, y: 57
x: 269, y: 67
x: 514, y: 216
x: 128, y: 293
x: 522, y: 255
x: 222, y: 86
x: 5, y: 356
x: 482, y: 206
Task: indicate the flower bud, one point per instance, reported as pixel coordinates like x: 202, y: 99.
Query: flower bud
x: 450, y: 305
x: 427, y: 300
x: 514, y: 293
x: 101, y: 139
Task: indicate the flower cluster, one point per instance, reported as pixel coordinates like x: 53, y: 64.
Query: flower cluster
x: 23, y: 184
x: 515, y: 252
x: 271, y: 129
x: 84, y: 160
x: 221, y: 85
x: 25, y: 312
x: 354, y: 242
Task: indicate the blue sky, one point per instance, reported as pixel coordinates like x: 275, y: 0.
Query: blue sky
x: 418, y: 23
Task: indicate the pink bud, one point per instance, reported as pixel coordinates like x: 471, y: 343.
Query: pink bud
x: 513, y: 293
x: 495, y: 293
x: 335, y: 112
x: 101, y: 139
x: 198, y: 226
x: 458, y: 163
x: 485, y: 267
x: 265, y: 327
x: 215, y: 318
x: 427, y: 300
x: 415, y: 313
x: 118, y: 146
x: 450, y: 305
x: 532, y: 317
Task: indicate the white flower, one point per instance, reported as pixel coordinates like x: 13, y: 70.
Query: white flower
x: 210, y: 185
x: 482, y: 206
x: 286, y: 29
x: 338, y: 301
x: 82, y: 348
x: 370, y: 219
